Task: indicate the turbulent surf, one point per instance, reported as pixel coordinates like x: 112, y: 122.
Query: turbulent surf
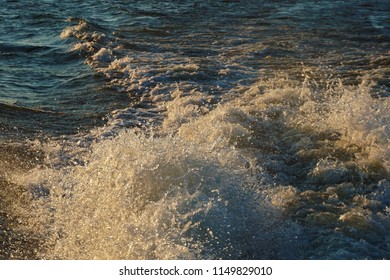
x: 208, y: 130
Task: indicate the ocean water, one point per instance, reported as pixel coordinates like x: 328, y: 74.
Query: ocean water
x: 194, y: 129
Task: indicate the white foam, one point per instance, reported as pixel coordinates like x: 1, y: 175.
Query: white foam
x: 216, y: 184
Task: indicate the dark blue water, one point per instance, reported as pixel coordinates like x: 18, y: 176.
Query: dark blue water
x: 206, y: 129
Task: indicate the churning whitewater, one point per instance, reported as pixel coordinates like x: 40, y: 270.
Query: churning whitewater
x: 180, y: 130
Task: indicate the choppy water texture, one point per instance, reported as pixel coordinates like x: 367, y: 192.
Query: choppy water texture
x: 194, y: 129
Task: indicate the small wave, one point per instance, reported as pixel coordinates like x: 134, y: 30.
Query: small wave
x: 17, y: 108
x: 22, y: 48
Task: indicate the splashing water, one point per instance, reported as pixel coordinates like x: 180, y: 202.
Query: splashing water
x: 236, y: 136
